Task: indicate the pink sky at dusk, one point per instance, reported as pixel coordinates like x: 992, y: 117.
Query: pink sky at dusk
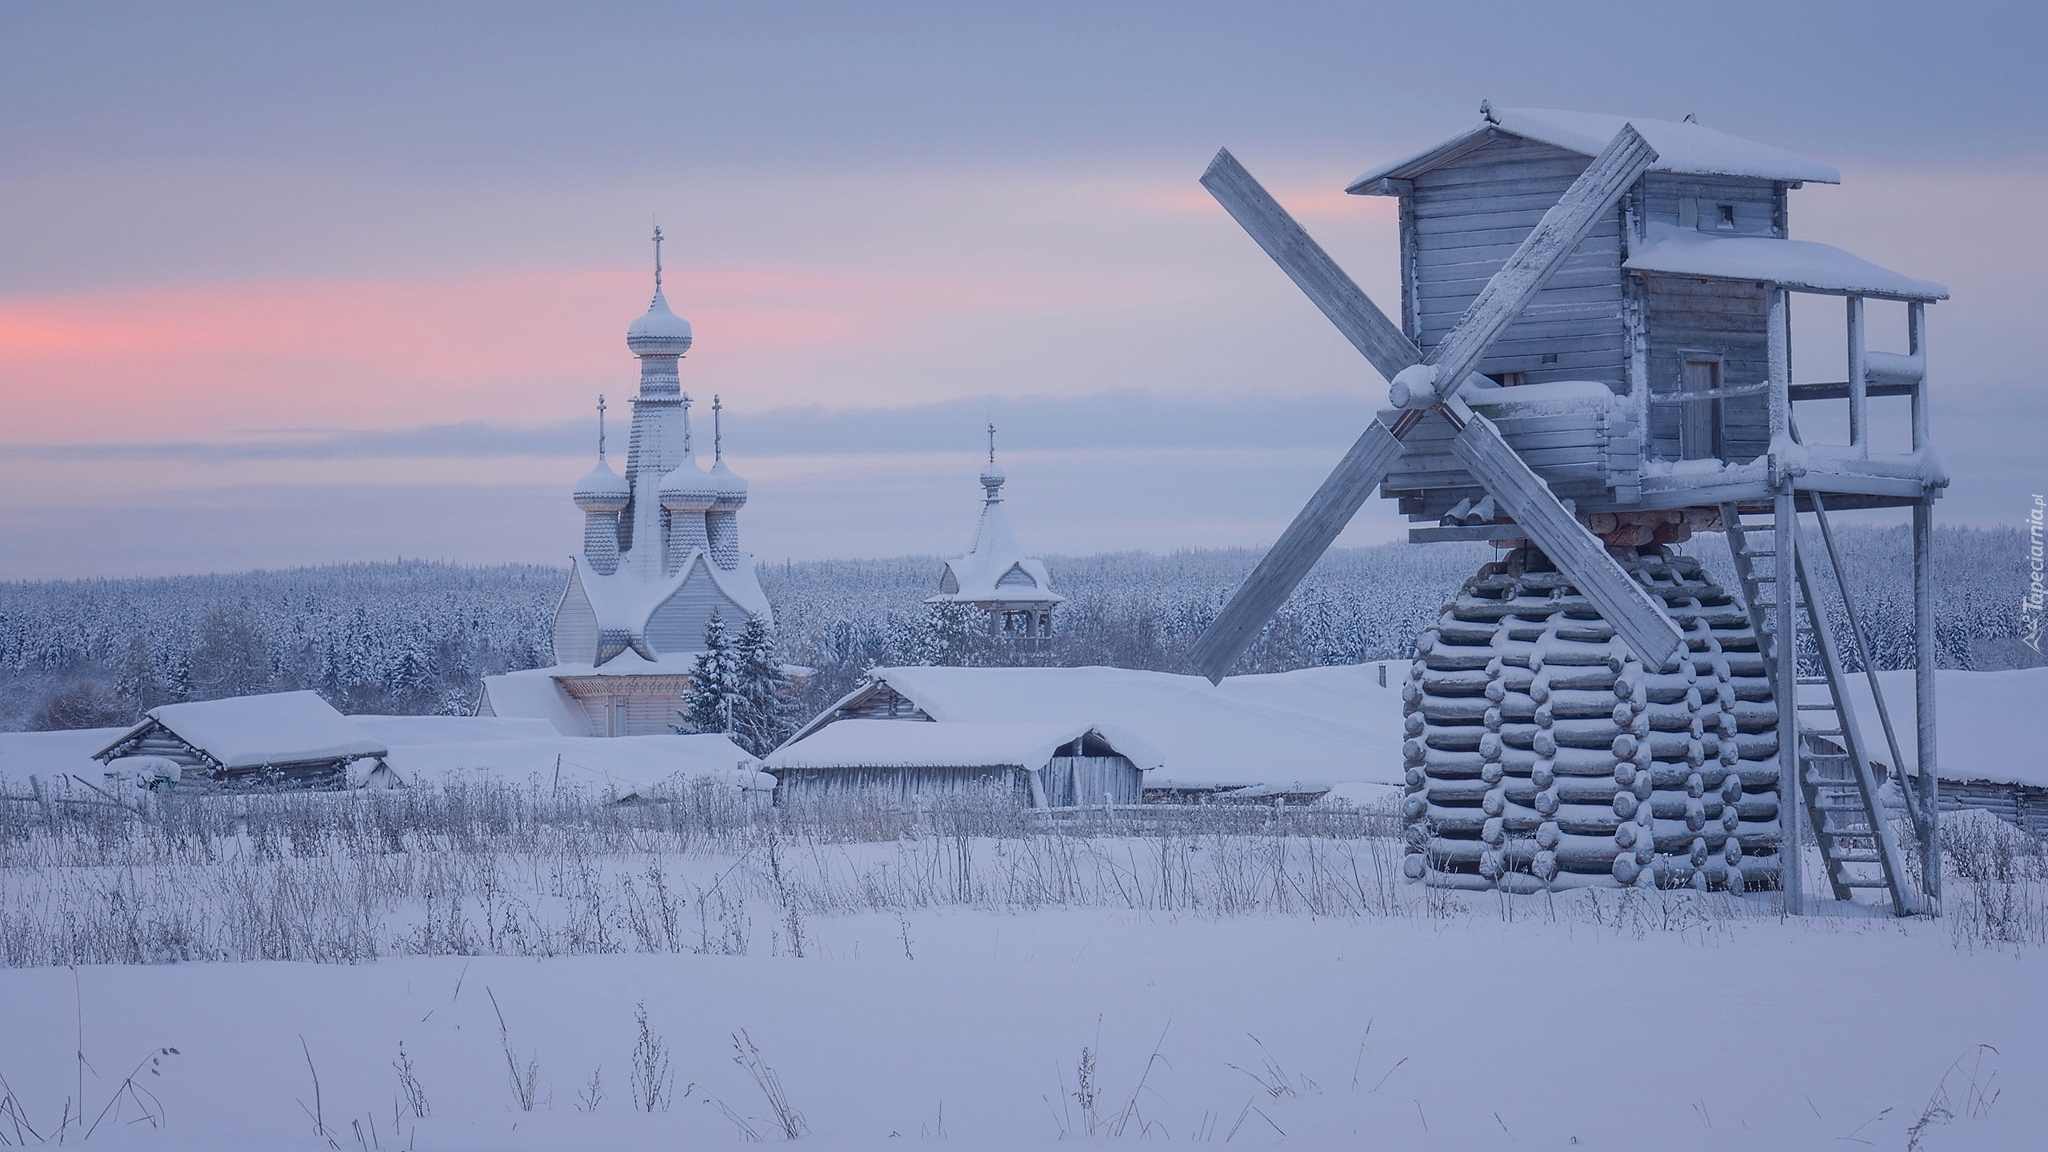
x: 274, y: 227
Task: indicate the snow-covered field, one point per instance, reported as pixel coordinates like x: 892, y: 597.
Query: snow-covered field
x: 1466, y: 1031
x: 971, y: 976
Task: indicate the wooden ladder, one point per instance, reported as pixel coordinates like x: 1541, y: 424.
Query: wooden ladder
x: 1838, y: 787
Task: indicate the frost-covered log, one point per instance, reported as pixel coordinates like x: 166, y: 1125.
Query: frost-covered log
x: 1541, y: 754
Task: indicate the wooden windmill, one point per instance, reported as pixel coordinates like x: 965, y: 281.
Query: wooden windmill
x: 1593, y: 709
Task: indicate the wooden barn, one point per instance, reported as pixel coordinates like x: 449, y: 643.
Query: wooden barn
x: 1042, y: 765
x: 277, y: 740
x: 1059, y: 737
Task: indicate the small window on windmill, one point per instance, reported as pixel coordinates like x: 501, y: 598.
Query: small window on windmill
x: 1724, y: 217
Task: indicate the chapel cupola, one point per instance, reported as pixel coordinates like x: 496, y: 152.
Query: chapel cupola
x: 995, y: 575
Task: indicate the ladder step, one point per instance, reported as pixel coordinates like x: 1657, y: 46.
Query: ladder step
x: 1761, y: 552
x: 1858, y: 882
x: 1821, y: 732
x: 1816, y: 707
x: 1813, y: 680
x: 1860, y: 858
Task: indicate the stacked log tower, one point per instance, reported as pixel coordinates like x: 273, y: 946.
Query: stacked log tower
x: 1540, y: 753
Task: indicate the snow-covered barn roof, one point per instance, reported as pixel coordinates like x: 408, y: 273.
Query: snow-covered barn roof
x: 901, y: 744
x: 1683, y: 147
x: 1301, y: 730
x: 66, y: 752
x: 433, y: 750
x: 255, y: 731
x: 1985, y: 730
x: 1797, y: 264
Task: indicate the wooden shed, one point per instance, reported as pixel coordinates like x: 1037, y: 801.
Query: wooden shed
x: 1270, y: 738
x: 1041, y: 765
x: 276, y: 740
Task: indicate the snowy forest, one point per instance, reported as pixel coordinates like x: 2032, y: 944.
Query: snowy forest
x: 412, y: 637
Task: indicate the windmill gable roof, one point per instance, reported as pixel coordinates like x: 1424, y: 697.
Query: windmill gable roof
x: 1683, y: 148
x: 255, y: 731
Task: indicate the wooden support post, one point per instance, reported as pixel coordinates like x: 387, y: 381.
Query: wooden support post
x: 1859, y: 398
x: 1780, y: 337
x: 1916, y: 346
x: 1923, y: 702
x: 1785, y: 651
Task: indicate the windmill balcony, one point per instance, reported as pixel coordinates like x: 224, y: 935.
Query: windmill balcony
x: 1696, y: 440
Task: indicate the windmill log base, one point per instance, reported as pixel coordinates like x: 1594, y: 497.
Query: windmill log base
x: 1542, y: 755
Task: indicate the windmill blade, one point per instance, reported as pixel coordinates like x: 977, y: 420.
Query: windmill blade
x: 1579, y: 554
x: 1297, y: 550
x: 1348, y: 307
x: 1553, y: 240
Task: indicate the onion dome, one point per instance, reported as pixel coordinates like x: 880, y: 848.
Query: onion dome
x: 660, y: 332
x: 688, y: 488
x: 602, y: 490
x: 732, y: 491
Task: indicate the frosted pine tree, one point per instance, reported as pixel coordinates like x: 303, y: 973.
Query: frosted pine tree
x: 762, y: 710
x: 714, y: 683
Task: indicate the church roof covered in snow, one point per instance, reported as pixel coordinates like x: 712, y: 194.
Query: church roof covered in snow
x: 995, y: 569
x: 1286, y: 732
x: 1683, y: 148
x: 276, y: 728
x: 661, y: 547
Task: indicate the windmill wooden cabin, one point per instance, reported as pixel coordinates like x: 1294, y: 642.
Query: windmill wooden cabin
x: 1672, y: 301
x: 1592, y: 362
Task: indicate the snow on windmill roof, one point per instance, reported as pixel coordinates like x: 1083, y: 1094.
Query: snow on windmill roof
x: 1797, y: 264
x: 255, y: 731
x: 901, y: 744
x: 1683, y: 148
x: 1290, y: 731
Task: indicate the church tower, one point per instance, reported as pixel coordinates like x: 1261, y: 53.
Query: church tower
x: 995, y: 575
x: 661, y: 555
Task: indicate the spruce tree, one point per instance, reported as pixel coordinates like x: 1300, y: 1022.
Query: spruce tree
x: 762, y: 709
x: 709, y: 701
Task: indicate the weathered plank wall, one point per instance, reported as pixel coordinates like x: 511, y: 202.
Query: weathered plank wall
x: 1461, y: 223
x: 1757, y: 203
x: 1570, y: 450
x: 629, y: 705
x: 1082, y: 780
x: 904, y: 786
x: 881, y: 703
x: 2016, y: 804
x: 1715, y: 318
